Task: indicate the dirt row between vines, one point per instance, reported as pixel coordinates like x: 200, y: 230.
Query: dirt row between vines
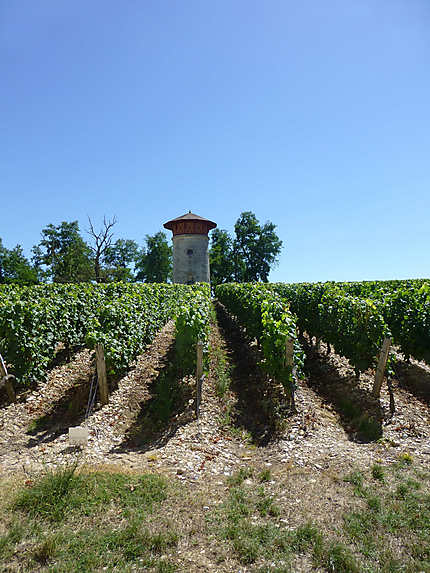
x: 230, y: 432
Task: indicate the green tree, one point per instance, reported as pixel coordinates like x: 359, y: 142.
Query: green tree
x: 221, y: 257
x: 15, y: 268
x: 119, y: 260
x: 248, y: 257
x: 62, y: 255
x: 155, y: 262
x: 256, y: 248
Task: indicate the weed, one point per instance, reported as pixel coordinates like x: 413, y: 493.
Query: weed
x: 266, y: 505
x: 356, y: 478
x: 167, y: 392
x: 388, y: 563
x: 237, y: 431
x: 265, y: 475
x: 238, y: 504
x: 402, y: 491
x: 247, y: 548
x: 45, y: 551
x: 374, y: 503
x: 134, y: 541
x: 305, y: 537
x: 37, y: 425
x: 222, y: 371
x: 165, y: 567
x: 405, y: 459
x: 378, y: 472
x: 336, y: 557
x: 13, y: 536
x: 400, y: 512
x: 240, y: 476
x: 368, y: 428
x: 62, y: 491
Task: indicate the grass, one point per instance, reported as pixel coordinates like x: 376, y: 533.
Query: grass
x: 67, y: 520
x: 70, y: 520
x: 387, y: 531
x: 222, y: 370
x: 63, y: 491
x: 392, y: 526
x: 249, y: 521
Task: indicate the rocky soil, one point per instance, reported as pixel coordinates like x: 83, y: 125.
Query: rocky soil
x: 34, y: 431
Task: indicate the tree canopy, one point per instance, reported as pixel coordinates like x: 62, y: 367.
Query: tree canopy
x: 15, y: 268
x: 247, y: 257
x: 62, y: 255
x: 155, y: 262
x: 120, y: 259
x: 221, y: 255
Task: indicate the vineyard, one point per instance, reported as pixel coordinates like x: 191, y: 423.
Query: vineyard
x: 353, y: 319
x: 36, y: 322
x: 290, y: 381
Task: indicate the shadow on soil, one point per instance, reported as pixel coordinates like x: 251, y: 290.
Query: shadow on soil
x: 253, y: 411
x: 360, y: 414
x: 170, y: 407
x: 62, y: 356
x: 70, y: 410
x: 414, y: 379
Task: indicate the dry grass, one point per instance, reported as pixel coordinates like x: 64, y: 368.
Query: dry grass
x: 259, y: 519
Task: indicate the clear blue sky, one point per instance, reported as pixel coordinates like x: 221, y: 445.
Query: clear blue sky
x: 313, y: 114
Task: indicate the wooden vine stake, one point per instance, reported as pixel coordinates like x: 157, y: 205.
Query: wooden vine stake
x: 199, y: 376
x: 101, y: 374
x: 380, y: 370
x: 6, y: 381
x: 289, y: 352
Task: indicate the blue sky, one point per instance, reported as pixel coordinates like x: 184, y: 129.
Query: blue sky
x: 313, y: 115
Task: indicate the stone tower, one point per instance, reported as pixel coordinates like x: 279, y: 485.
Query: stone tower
x: 190, y: 248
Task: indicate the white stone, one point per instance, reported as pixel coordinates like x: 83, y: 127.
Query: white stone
x: 78, y: 436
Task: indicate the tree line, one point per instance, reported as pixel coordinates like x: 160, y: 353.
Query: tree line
x: 64, y: 256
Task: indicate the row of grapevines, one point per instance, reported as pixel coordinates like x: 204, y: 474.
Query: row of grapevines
x: 124, y: 318
x: 265, y: 315
x: 354, y: 326
x: 193, y: 319
x: 407, y: 311
x: 377, y: 289
x: 33, y: 320
x: 128, y: 317
x: 405, y: 306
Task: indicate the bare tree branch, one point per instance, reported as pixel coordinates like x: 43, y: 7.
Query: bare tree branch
x: 102, y: 240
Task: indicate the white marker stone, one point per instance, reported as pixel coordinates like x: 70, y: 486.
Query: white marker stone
x: 78, y: 436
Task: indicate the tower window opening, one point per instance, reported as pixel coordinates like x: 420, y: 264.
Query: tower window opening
x: 189, y: 252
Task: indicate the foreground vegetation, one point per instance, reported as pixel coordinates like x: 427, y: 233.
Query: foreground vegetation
x: 73, y: 520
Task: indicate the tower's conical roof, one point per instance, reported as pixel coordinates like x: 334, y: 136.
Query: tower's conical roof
x: 189, y: 217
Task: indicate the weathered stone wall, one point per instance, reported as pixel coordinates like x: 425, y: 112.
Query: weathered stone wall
x: 190, y: 259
